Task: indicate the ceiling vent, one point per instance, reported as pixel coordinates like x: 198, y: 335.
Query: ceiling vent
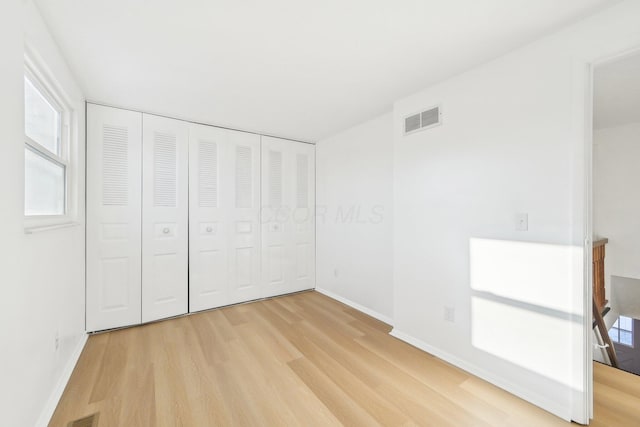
x: 423, y: 120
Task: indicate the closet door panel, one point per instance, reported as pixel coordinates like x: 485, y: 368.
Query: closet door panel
x: 114, y: 150
x: 164, y: 218
x: 288, y: 226
x: 208, y: 252
x: 277, y: 270
x: 224, y: 197
x: 244, y: 226
x: 303, y: 216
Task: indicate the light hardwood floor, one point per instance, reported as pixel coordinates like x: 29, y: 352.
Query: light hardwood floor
x: 303, y: 360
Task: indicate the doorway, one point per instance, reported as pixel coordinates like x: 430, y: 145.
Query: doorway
x: 616, y: 212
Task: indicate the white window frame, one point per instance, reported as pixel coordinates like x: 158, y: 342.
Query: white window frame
x: 47, y: 85
x: 618, y: 329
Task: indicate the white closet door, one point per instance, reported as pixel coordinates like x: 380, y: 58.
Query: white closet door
x: 244, y: 219
x: 114, y: 150
x: 304, y: 227
x: 224, y: 201
x: 276, y: 270
x: 288, y: 224
x: 208, y: 255
x: 164, y: 217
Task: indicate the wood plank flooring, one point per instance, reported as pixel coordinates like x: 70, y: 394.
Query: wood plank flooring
x: 616, y: 397
x: 298, y: 360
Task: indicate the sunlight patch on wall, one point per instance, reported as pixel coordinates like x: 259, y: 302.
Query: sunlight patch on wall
x: 534, y: 273
x: 521, y: 306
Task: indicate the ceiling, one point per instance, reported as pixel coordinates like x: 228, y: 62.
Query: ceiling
x: 294, y: 68
x: 616, y: 93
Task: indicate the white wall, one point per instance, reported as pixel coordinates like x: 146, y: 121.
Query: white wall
x: 616, y: 205
x: 512, y: 141
x: 354, y: 193
x: 42, y: 274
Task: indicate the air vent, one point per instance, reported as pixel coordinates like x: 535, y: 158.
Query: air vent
x: 412, y: 123
x: 115, y: 166
x: 422, y: 120
x: 165, y: 171
x: 208, y: 174
x: 244, y: 190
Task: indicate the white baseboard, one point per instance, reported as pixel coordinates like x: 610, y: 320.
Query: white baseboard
x: 56, y: 394
x: 534, y: 398
x: 386, y: 319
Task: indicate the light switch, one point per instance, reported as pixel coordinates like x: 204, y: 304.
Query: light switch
x: 522, y: 222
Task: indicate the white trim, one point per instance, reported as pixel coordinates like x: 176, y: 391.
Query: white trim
x: 45, y: 82
x: 39, y: 228
x: 56, y: 394
x: 45, y: 77
x: 587, y: 255
x: 614, y: 57
x: 536, y: 399
x: 183, y: 119
x: 381, y: 317
x: 44, y: 152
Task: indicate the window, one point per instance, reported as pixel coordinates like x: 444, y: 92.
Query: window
x: 46, y: 154
x: 622, y: 331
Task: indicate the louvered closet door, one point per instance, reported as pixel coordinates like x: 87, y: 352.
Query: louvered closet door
x: 164, y: 217
x: 288, y: 225
x: 114, y: 150
x: 244, y: 224
x: 224, y: 200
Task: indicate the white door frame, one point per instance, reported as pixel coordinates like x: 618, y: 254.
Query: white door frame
x: 587, y: 248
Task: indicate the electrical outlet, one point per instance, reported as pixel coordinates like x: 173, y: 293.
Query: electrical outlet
x: 522, y: 222
x: 449, y: 314
x: 57, y: 340
x: 336, y: 273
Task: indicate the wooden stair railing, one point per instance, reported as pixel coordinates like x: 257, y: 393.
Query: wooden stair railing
x: 604, y: 313
x: 598, y: 273
x: 602, y: 329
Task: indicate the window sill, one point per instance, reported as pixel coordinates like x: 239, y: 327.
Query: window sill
x: 37, y: 228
